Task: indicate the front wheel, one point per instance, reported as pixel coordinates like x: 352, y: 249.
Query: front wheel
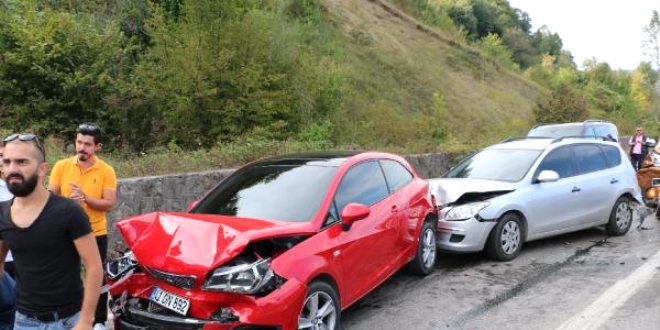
x: 620, y: 218
x: 321, y: 309
x: 505, y: 240
x: 426, y: 251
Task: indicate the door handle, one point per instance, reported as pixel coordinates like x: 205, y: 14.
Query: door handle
x: 613, y: 181
x: 575, y: 189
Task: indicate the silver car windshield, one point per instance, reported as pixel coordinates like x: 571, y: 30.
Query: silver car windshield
x: 496, y: 164
x: 557, y: 131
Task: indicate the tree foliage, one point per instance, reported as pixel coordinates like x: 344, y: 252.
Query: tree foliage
x: 191, y: 74
x: 563, y: 104
x: 56, y: 67
x: 222, y: 71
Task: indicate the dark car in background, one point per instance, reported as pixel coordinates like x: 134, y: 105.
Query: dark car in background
x: 588, y: 128
x: 283, y: 243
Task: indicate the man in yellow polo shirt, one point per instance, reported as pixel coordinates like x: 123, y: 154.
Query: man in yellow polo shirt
x: 92, y: 183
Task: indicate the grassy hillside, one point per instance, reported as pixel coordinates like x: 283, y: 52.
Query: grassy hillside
x: 195, y: 85
x: 403, y: 87
x: 400, y: 67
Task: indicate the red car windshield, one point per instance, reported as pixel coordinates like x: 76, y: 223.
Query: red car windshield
x: 272, y: 192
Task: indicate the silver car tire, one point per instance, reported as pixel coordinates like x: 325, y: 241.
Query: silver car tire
x: 505, y: 240
x: 621, y: 218
x: 321, y: 309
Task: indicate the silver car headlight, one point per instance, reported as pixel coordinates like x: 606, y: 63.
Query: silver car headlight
x: 244, y: 278
x: 466, y: 211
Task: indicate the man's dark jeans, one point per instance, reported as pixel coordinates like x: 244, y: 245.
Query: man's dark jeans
x: 7, y: 288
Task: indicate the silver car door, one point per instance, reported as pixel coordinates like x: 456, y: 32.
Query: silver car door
x: 597, y: 194
x: 553, y: 206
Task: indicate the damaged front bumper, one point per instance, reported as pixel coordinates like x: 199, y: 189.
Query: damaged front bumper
x: 463, y: 236
x: 134, y: 309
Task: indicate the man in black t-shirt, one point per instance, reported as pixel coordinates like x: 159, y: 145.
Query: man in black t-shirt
x: 49, y: 235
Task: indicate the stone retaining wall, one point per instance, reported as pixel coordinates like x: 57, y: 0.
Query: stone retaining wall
x: 174, y: 192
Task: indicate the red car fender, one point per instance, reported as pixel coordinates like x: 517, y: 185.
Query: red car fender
x: 310, y: 259
x: 306, y: 269
x: 281, y: 307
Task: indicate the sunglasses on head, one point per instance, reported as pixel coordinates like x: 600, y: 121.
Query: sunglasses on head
x: 88, y: 127
x: 26, y: 137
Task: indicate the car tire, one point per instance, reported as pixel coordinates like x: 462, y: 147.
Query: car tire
x: 321, y: 308
x: 621, y: 218
x: 426, y: 254
x: 505, y: 240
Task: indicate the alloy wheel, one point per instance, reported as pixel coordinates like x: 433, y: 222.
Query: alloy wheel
x: 623, y: 215
x: 428, y: 248
x: 319, y: 313
x: 510, y: 238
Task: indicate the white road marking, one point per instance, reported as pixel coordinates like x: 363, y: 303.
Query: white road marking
x: 602, y: 308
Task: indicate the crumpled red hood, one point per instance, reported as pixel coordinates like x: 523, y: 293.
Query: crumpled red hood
x: 186, y: 243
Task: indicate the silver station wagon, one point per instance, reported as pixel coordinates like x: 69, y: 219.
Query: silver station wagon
x: 531, y: 188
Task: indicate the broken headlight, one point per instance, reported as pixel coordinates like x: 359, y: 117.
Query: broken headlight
x: 245, y: 278
x: 465, y: 211
x: 117, y: 267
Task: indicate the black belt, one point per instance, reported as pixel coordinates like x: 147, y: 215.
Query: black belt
x: 53, y: 316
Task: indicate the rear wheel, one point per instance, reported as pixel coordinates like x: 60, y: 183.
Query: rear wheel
x: 505, y: 240
x: 321, y: 310
x: 620, y: 218
x: 426, y: 251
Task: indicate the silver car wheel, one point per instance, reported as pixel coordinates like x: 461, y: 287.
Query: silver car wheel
x: 623, y: 215
x: 428, y: 248
x: 510, y: 237
x: 319, y: 312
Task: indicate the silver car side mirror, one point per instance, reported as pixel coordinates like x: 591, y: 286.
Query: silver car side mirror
x: 547, y: 176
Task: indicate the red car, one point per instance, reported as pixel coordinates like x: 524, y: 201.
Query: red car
x: 283, y: 243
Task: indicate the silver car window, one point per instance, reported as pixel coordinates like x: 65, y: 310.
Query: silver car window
x: 613, y: 155
x: 559, y: 160
x: 589, y: 158
x: 606, y: 130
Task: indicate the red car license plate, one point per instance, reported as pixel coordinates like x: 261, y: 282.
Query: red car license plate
x: 170, y: 301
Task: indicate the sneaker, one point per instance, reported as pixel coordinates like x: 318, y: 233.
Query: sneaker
x: 99, y: 326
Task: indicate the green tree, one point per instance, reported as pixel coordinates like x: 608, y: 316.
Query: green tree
x: 493, y: 47
x: 522, y: 51
x: 642, y: 80
x: 226, y: 69
x: 57, y: 68
x: 563, y: 104
x: 547, y: 42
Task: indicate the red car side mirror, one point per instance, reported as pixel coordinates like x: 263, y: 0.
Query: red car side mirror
x: 354, y: 212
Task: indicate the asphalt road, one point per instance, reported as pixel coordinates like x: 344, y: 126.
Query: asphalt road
x: 584, y: 280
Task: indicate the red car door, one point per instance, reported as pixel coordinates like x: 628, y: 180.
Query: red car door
x: 369, y: 246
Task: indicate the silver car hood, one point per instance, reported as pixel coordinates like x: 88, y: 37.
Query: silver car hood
x: 448, y: 190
